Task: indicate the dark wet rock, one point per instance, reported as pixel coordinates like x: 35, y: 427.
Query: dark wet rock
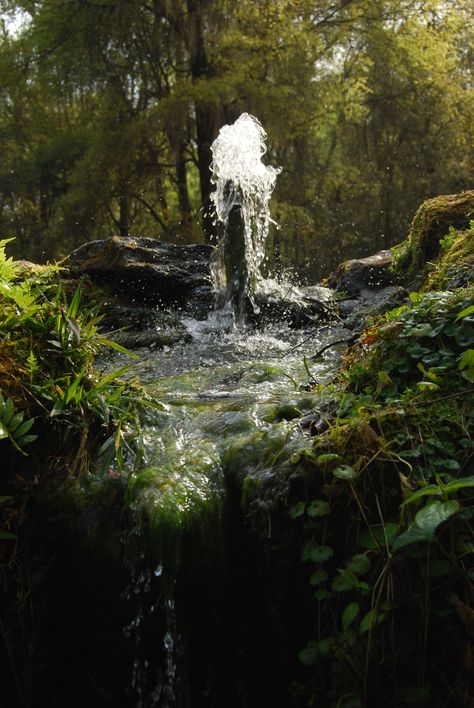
x: 299, y: 306
x: 134, y: 326
x: 138, y: 326
x: 148, y: 270
x: 118, y: 316
x: 359, y: 274
x: 317, y: 421
x: 369, y: 303
x: 151, y: 338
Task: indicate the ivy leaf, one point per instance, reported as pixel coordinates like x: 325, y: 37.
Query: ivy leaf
x: 319, y: 576
x: 344, y: 472
x: 317, y: 554
x: 297, y: 510
x: 421, y: 330
x: 318, y: 507
x: 426, y: 522
x: 432, y: 515
x: 359, y: 564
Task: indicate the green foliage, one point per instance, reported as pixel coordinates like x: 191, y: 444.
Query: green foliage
x: 13, y: 426
x: 47, y: 350
x: 393, y: 475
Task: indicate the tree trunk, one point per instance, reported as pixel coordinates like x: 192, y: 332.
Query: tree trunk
x: 124, y: 218
x: 181, y: 179
x: 207, y: 115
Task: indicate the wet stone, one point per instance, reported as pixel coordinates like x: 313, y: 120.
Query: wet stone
x: 359, y: 274
x: 148, y: 270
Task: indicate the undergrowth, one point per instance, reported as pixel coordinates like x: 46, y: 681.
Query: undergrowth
x: 59, y: 415
x: 386, y: 522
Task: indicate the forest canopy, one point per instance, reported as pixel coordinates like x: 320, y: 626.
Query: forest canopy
x: 108, y: 109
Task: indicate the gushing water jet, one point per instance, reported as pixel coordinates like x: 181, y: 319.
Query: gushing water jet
x: 244, y: 186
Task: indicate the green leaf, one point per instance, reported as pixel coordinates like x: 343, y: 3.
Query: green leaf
x: 72, y: 389
x: 27, y: 439
x: 6, y: 498
x: 327, y: 457
x: 464, y: 313
x: 317, y: 554
x: 16, y: 421
x: 344, y: 472
x: 462, y: 483
x: 359, y: 564
x: 426, y: 522
x: 111, y: 377
x: 57, y: 408
x: 466, y: 365
x: 378, y: 536
x: 9, y: 411
x: 428, y: 491
x: 75, y: 331
x: 118, y: 347
x: 319, y: 576
x: 347, y: 580
x: 349, y: 615
x: 24, y: 428
x: 3, y: 431
x: 321, y: 594
x: 318, y: 507
x: 432, y: 515
x: 371, y: 619
x: 73, y: 308
x: 309, y: 655
x: 427, y: 386
x: 297, y: 510
x: 421, y: 330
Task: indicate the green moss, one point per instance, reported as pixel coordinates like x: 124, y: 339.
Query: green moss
x: 455, y: 265
x: 432, y: 222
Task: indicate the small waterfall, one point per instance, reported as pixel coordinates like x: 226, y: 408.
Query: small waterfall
x: 244, y: 186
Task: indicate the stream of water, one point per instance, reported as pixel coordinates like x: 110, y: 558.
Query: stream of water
x: 231, y: 405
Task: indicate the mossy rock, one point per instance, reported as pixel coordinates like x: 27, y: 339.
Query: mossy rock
x: 455, y: 265
x: 432, y: 222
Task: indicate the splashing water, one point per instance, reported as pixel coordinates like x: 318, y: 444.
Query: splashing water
x: 243, y: 184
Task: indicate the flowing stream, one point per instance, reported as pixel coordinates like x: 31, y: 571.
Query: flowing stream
x: 232, y: 403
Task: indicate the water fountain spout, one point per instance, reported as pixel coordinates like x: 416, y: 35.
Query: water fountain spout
x: 244, y: 186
